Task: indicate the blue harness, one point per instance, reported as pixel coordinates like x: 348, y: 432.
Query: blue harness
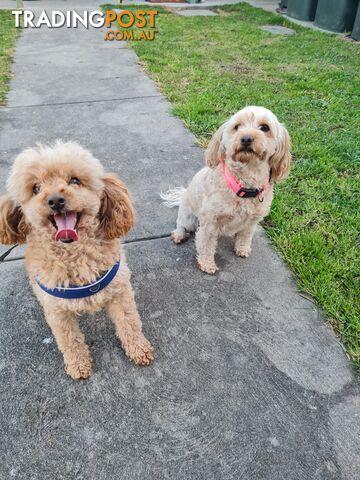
x: 83, y: 291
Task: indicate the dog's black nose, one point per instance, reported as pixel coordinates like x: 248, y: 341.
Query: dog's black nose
x: 56, y: 202
x: 246, y: 140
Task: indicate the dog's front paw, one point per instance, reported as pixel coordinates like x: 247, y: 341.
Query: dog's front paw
x: 140, y: 351
x: 178, y: 238
x: 207, y: 265
x: 242, y: 251
x: 78, y: 364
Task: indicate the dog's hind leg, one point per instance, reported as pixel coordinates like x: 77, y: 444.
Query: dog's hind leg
x: 243, y: 238
x: 186, y: 222
x: 65, y: 328
x: 124, y: 314
x: 206, y: 240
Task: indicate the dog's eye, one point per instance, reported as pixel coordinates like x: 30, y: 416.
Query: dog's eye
x: 237, y: 126
x: 74, y: 181
x: 36, y: 188
x: 264, y: 127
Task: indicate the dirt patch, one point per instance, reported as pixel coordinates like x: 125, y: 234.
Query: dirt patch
x: 244, y: 69
x: 241, y: 68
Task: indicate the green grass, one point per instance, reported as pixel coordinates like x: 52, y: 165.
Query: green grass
x: 210, y: 67
x: 8, y: 35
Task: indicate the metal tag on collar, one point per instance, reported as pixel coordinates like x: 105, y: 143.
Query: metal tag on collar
x: 261, y: 196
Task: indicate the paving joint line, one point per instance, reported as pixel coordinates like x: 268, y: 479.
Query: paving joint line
x: 76, y: 102
x: 144, y: 239
x: 3, y: 258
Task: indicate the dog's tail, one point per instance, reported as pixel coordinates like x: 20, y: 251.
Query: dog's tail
x: 172, y: 197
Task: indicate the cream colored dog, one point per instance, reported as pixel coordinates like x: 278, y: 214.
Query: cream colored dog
x: 246, y: 156
x: 70, y: 214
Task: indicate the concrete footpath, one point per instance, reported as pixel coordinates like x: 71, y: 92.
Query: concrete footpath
x: 248, y: 382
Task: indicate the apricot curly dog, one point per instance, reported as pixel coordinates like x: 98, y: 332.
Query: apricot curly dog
x: 71, y: 214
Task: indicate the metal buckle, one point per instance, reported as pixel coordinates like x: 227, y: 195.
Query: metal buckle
x: 248, y: 192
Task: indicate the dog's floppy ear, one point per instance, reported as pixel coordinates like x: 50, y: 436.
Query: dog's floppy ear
x: 280, y: 161
x: 214, y: 151
x: 117, y: 215
x: 13, y: 228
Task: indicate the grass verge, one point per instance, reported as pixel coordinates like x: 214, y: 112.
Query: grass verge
x: 210, y: 67
x: 8, y: 35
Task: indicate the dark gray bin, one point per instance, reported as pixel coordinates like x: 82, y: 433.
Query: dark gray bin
x: 302, y: 9
x: 336, y: 15
x: 356, y: 28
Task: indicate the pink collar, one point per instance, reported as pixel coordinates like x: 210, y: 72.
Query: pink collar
x: 240, y: 189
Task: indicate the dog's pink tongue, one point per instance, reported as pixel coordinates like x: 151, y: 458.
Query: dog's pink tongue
x: 65, y: 223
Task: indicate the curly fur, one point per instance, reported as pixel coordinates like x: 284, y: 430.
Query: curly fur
x: 106, y: 215
x: 117, y: 215
x: 14, y: 228
x: 209, y: 204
